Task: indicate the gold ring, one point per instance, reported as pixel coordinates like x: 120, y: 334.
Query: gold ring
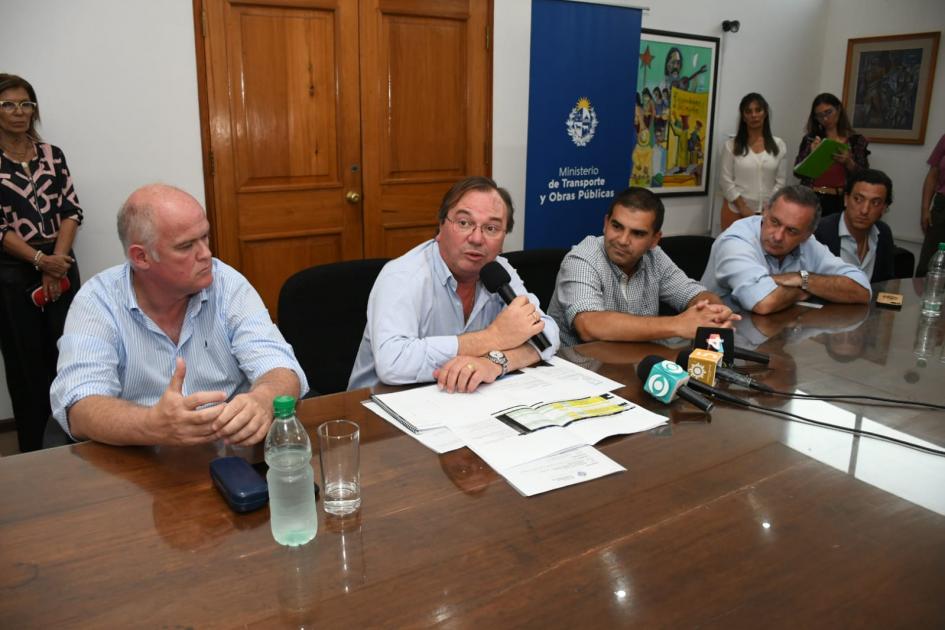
x: 471, y: 367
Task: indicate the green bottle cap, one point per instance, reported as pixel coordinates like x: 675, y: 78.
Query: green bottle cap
x: 283, y: 406
x: 941, y: 246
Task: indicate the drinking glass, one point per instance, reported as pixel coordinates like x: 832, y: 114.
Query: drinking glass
x: 338, y: 451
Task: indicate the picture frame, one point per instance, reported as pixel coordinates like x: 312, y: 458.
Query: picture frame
x: 887, y: 86
x: 677, y: 80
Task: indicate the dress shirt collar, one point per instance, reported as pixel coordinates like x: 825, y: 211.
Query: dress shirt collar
x: 131, y: 298
x: 789, y: 258
x: 443, y: 274
x: 850, y: 250
x: 843, y: 231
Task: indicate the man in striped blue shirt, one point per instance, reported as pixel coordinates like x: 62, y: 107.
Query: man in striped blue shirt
x: 174, y: 346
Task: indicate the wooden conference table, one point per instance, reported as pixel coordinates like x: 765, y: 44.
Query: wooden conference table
x: 742, y: 520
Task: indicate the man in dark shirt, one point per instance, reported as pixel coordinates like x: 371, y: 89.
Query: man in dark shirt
x: 858, y: 235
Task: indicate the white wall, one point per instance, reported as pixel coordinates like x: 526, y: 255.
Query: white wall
x: 777, y: 52
x: 905, y: 164
x: 117, y: 86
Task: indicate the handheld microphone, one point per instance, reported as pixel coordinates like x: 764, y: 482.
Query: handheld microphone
x: 684, y: 361
x: 664, y: 381
x: 708, y: 390
x: 701, y: 364
x: 751, y: 355
x: 723, y: 340
x: 728, y: 375
x: 496, y: 280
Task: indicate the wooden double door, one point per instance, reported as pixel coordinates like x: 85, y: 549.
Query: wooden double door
x: 332, y: 128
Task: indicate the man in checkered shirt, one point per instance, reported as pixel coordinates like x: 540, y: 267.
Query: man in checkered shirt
x: 610, y: 287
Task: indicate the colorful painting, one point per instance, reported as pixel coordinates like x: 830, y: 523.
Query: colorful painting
x: 675, y: 101
x: 888, y: 84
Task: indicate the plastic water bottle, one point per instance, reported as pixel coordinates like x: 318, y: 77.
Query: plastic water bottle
x: 926, y: 338
x: 935, y: 284
x: 290, y: 477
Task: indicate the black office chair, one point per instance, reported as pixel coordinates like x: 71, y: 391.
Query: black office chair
x: 689, y: 252
x: 322, y: 313
x: 538, y: 269
x: 54, y: 435
x: 903, y: 262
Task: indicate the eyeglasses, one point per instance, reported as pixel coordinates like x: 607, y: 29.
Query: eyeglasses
x: 827, y: 113
x: 8, y: 107
x: 465, y: 226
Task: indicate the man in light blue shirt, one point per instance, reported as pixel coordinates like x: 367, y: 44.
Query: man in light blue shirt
x: 174, y: 346
x: 429, y: 317
x: 767, y: 263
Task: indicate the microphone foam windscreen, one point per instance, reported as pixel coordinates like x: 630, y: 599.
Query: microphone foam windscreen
x: 646, y: 366
x: 493, y: 276
x: 683, y: 357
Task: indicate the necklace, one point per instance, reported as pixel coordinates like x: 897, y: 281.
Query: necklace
x: 19, y: 155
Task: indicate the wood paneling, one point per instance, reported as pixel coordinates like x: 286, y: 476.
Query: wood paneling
x: 270, y: 260
x: 426, y: 109
x: 308, y: 100
x: 425, y: 112
x: 285, y: 134
x: 286, y: 128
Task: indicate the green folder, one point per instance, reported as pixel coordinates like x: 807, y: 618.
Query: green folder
x: 820, y: 159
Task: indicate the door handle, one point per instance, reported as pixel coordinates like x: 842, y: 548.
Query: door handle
x: 353, y: 196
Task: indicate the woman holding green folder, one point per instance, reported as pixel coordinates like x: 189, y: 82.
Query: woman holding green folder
x: 829, y: 120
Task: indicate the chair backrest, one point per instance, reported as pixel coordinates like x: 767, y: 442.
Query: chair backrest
x: 903, y: 262
x: 689, y: 252
x: 322, y: 313
x: 538, y: 269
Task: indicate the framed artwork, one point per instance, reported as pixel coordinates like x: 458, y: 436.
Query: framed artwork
x: 887, y: 86
x: 675, y: 109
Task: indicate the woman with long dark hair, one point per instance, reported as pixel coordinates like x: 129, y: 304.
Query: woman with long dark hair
x: 38, y: 275
x: 828, y: 119
x: 753, y: 162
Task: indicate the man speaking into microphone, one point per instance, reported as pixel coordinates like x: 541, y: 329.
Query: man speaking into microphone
x: 429, y: 316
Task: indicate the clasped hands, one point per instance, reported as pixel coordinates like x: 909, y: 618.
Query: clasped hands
x: 54, y: 268
x: 516, y: 323
x: 705, y: 313
x: 206, y: 416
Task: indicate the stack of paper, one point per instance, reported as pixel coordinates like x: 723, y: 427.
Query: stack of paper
x: 541, y: 442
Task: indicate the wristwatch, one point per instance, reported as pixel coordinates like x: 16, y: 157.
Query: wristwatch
x: 805, y: 280
x: 498, y: 357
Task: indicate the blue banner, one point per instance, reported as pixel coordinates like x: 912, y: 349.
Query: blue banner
x: 581, y: 103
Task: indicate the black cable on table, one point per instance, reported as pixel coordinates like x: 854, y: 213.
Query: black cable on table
x: 852, y: 431
x: 895, y: 401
